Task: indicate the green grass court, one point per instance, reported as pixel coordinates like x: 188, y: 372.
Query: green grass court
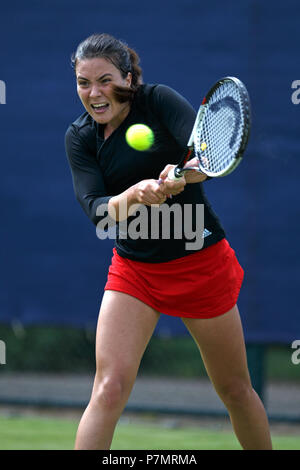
x: 40, y: 433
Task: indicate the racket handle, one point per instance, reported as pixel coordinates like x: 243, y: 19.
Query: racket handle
x: 175, y: 174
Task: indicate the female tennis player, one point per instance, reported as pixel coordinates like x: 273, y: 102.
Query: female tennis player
x: 152, y: 276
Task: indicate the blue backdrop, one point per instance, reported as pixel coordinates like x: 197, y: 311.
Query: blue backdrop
x: 53, y: 267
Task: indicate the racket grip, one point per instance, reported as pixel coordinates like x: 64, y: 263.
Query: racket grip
x: 172, y: 177
x: 175, y: 174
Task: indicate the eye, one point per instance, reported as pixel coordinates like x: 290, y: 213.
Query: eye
x: 106, y: 80
x: 82, y: 83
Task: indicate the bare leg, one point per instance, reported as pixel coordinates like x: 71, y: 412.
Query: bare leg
x: 221, y: 343
x: 125, y: 327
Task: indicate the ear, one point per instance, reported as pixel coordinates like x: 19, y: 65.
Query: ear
x: 129, y: 79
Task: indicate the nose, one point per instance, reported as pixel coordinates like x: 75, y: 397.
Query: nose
x: 95, y: 91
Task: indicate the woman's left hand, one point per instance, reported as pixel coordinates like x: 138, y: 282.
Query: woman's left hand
x: 171, y: 187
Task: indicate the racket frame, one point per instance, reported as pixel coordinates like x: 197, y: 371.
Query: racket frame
x: 179, y: 170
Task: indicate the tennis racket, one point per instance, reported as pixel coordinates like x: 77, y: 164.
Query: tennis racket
x: 221, y: 131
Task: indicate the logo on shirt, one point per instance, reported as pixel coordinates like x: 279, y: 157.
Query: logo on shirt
x: 206, y: 233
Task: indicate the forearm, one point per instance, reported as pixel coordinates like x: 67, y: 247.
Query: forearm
x: 194, y: 176
x: 119, y: 206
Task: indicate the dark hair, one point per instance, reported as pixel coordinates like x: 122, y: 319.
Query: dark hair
x: 119, y: 54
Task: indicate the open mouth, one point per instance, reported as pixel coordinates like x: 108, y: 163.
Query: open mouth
x: 99, y: 107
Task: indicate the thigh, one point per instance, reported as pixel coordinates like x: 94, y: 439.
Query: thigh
x: 222, y: 346
x: 125, y: 326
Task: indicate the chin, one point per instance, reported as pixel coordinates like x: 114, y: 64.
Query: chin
x: 100, y: 119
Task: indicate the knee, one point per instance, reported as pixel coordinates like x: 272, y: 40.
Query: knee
x: 236, y: 393
x: 109, y: 392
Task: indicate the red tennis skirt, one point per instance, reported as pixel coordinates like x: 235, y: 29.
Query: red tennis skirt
x: 204, y: 284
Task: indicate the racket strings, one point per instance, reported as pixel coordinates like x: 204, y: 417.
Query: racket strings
x: 221, y: 129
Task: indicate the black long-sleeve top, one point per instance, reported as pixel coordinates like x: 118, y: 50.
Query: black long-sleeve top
x: 102, y: 168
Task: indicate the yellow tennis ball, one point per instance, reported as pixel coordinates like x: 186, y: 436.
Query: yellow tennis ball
x: 203, y: 146
x: 139, y: 137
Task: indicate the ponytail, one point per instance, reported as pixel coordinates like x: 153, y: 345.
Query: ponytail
x: 135, y: 69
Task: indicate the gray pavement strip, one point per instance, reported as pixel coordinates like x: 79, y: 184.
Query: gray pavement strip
x: 156, y: 393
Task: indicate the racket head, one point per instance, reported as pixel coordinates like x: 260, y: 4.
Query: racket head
x: 222, y: 127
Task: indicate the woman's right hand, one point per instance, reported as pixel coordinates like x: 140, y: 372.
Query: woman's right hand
x: 145, y: 192
x: 149, y: 192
